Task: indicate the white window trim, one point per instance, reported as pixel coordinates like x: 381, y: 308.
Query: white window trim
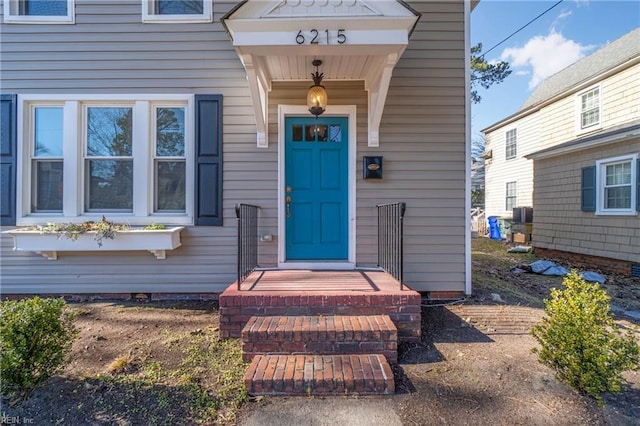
x: 149, y: 17
x: 578, y: 110
x: 506, y: 144
x: 73, y: 157
x: 11, y: 15
x: 600, y: 177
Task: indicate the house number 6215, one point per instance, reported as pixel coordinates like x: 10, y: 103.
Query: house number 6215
x: 316, y: 37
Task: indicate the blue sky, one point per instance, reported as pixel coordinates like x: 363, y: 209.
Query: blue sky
x: 570, y: 31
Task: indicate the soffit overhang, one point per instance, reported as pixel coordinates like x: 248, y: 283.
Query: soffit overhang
x: 374, y: 35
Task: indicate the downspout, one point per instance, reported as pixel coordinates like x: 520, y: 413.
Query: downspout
x: 467, y: 134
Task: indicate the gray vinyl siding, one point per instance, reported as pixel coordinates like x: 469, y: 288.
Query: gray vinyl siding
x: 109, y: 50
x: 559, y: 223
x: 422, y: 139
x: 422, y: 136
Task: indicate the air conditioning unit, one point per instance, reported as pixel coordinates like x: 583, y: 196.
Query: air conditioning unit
x: 522, y: 215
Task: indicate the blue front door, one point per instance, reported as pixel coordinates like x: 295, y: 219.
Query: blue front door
x: 316, y: 188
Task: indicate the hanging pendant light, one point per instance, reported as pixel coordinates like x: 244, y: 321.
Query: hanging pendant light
x: 317, y: 94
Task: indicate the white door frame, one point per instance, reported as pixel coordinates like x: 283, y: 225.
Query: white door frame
x: 348, y: 111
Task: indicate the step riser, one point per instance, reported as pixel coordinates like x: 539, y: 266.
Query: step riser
x: 389, y: 350
x: 375, y: 334
x: 319, y: 375
x: 237, y: 307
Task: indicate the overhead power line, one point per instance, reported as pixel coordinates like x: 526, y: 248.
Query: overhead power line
x: 522, y: 28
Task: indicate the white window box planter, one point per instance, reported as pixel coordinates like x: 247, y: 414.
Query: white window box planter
x: 156, y: 241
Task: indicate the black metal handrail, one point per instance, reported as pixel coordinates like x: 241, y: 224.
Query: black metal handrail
x: 390, y: 239
x: 247, y: 216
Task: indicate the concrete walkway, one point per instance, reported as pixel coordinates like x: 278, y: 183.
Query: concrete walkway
x: 335, y: 411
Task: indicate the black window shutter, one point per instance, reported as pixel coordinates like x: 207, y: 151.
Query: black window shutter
x: 638, y: 185
x: 589, y: 189
x: 208, y: 182
x: 8, y: 146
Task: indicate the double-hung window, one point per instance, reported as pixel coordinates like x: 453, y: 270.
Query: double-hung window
x: 109, y: 159
x: 128, y: 159
x: 511, y: 196
x: 616, y: 180
x: 612, y: 186
x: 39, y: 11
x: 177, y: 10
x: 511, y: 144
x: 169, y: 160
x: 47, y: 159
x: 588, y: 108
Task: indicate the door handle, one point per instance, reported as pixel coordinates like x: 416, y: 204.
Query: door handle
x: 288, y: 205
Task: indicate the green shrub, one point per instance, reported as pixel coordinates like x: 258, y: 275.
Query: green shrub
x: 35, y: 341
x: 580, y: 341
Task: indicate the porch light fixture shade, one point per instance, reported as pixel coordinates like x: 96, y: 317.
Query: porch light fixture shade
x: 317, y: 94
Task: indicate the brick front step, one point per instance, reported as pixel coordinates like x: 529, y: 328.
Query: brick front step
x: 320, y: 335
x: 368, y: 374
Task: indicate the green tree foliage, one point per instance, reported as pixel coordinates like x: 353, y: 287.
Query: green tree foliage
x: 35, y: 341
x: 484, y: 74
x: 580, y: 341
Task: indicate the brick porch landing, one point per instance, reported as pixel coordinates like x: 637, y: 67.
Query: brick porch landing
x: 305, y: 292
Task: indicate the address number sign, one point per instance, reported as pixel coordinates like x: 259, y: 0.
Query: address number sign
x: 321, y: 37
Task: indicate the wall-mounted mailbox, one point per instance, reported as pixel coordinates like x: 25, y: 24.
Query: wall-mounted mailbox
x: 372, y: 167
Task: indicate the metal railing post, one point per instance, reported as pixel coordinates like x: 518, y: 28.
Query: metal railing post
x: 391, y: 239
x: 247, y: 217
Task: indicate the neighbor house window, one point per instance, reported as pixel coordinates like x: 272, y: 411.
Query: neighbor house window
x: 616, y: 181
x: 39, y: 11
x: 511, y: 144
x: 588, y: 106
x: 117, y: 157
x: 177, y: 10
x: 511, y: 197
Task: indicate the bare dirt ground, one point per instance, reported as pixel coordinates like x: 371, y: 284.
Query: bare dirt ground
x: 143, y: 363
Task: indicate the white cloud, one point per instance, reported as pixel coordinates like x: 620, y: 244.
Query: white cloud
x: 564, y: 14
x: 543, y: 56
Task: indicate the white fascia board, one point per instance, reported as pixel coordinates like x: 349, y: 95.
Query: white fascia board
x: 335, y: 50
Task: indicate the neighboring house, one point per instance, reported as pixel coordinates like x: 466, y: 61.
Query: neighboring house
x: 572, y: 153
x: 173, y: 112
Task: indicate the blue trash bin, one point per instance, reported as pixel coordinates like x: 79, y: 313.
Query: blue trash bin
x: 494, y: 229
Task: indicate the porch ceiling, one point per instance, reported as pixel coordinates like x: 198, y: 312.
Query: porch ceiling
x: 356, y: 40
x: 287, y: 68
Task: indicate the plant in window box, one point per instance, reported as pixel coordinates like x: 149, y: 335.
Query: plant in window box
x: 53, y: 237
x: 101, y: 230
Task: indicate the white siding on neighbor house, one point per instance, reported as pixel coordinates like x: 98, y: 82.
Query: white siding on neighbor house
x: 621, y: 97
x: 552, y: 125
x: 620, y: 103
x: 559, y: 223
x: 422, y: 139
x: 499, y: 170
